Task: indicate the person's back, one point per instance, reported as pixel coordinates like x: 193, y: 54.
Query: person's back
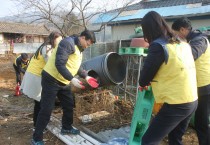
x: 201, y: 53
x: 43, y: 53
x: 170, y: 69
x: 37, y: 64
x: 31, y: 85
x: 179, y: 67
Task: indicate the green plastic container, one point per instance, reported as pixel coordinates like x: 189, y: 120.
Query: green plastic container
x: 205, y: 30
x: 202, y: 29
x: 141, y: 116
x: 133, y: 51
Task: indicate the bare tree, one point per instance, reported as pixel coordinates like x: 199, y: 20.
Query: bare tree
x: 68, y: 16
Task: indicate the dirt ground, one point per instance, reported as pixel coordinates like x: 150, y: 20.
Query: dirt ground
x: 16, y: 114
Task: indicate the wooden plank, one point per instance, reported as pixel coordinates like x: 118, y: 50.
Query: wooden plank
x: 82, y: 139
x: 94, y: 116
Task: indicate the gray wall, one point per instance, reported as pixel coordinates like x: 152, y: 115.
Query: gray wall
x: 124, y: 31
x: 197, y: 23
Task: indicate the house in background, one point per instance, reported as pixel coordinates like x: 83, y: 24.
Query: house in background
x: 198, y: 11
x: 20, y: 37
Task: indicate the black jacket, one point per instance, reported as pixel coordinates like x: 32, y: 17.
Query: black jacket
x: 198, y: 44
x: 65, y: 48
x: 152, y: 63
x: 18, y: 65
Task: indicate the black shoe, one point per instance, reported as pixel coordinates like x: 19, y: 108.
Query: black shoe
x: 70, y: 131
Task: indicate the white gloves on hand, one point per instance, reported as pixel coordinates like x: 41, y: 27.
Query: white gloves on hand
x: 77, y: 83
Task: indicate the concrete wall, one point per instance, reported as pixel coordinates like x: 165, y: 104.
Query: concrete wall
x: 197, y: 23
x: 33, y: 39
x: 38, y: 39
x: 124, y: 31
x: 1, y: 38
x: 29, y: 45
x: 25, y: 47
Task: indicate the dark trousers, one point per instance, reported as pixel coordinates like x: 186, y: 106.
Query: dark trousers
x: 202, y: 120
x: 18, y: 74
x: 172, y: 120
x: 51, y: 89
x: 37, y: 108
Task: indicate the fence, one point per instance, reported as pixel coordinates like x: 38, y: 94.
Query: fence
x: 25, y: 47
x: 99, y: 49
x: 94, y: 50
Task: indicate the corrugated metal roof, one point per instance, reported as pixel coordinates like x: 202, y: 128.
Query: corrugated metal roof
x: 172, y: 11
x: 162, y: 3
x: 6, y: 27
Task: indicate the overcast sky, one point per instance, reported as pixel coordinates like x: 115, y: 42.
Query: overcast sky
x: 8, y: 8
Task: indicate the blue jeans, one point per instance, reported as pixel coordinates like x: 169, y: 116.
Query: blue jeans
x: 172, y: 120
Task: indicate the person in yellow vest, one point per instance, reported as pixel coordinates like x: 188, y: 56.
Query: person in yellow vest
x: 31, y: 85
x: 170, y: 68
x: 57, y: 74
x: 20, y: 66
x: 201, y: 53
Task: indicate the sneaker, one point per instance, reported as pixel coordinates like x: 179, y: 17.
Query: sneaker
x: 70, y: 131
x: 36, y: 143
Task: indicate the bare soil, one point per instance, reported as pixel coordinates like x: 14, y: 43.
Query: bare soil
x: 16, y: 122
x: 16, y: 114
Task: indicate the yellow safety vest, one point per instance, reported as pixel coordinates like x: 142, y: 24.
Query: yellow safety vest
x: 73, y: 64
x: 175, y: 81
x: 36, y: 65
x: 203, y: 68
x: 23, y: 65
x: 16, y: 60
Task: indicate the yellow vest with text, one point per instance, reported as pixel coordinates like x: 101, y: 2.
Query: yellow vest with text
x: 73, y: 65
x: 175, y: 81
x: 203, y: 68
x: 36, y: 65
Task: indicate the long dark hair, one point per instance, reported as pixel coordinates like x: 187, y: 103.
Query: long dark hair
x: 49, y: 41
x: 154, y: 26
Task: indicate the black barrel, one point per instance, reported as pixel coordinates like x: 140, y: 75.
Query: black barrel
x: 109, y: 68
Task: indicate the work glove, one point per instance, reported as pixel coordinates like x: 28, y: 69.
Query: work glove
x: 77, y: 83
x: 144, y: 88
x: 92, y: 82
